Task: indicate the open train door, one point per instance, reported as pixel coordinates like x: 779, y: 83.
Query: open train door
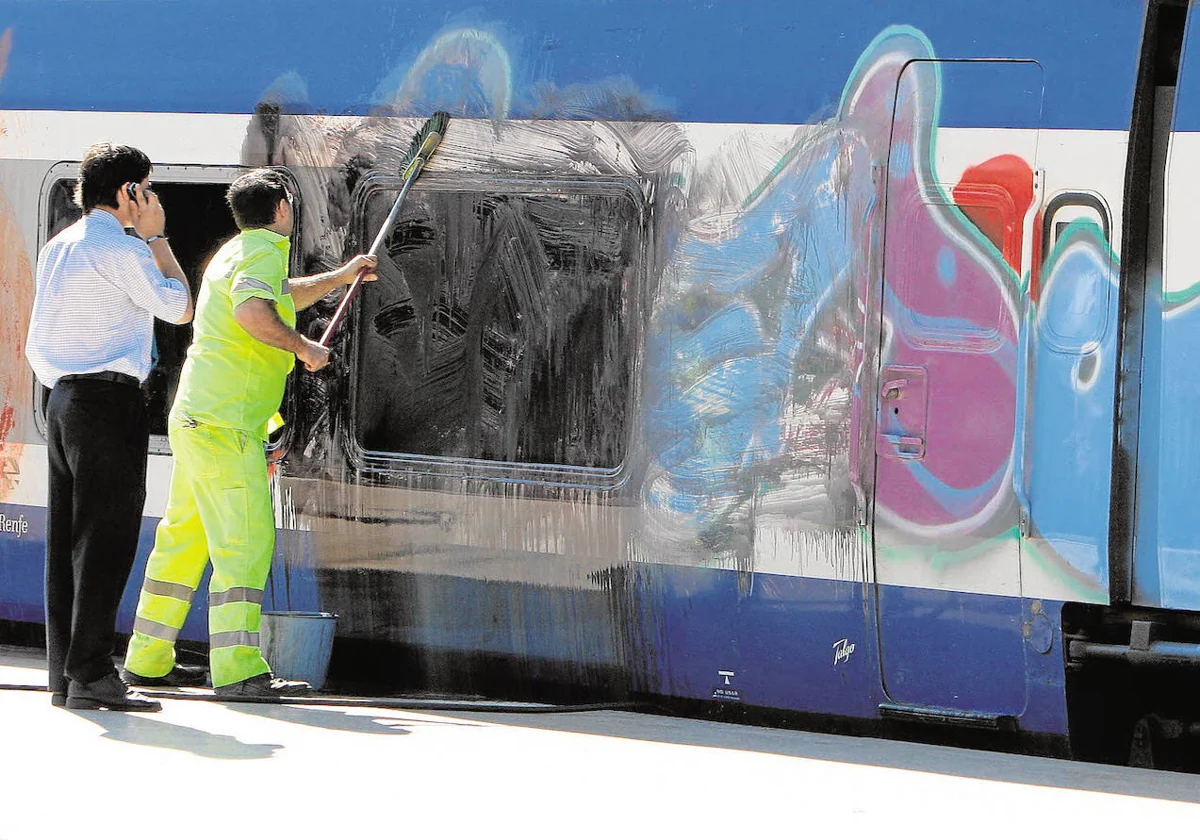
x: 946, y: 527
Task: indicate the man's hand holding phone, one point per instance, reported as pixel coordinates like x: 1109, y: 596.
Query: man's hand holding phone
x: 149, y: 218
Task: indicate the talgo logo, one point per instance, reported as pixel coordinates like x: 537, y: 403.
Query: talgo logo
x: 842, y: 649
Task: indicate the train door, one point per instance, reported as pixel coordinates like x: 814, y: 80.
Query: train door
x: 955, y: 246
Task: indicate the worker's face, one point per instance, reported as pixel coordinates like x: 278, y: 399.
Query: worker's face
x: 285, y: 215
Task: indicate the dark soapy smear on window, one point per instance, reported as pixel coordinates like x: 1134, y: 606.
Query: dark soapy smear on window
x: 497, y: 329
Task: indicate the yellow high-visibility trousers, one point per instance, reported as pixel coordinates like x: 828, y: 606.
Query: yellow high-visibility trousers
x: 219, y: 509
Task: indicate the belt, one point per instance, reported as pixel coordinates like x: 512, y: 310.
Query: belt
x: 103, y: 376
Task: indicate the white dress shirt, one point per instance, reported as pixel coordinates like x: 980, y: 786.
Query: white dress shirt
x: 98, y: 293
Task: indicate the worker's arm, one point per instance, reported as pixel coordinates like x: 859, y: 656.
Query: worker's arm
x: 308, y: 290
x: 258, y: 317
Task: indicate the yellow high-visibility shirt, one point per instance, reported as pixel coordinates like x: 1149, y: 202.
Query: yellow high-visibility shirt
x: 231, y: 379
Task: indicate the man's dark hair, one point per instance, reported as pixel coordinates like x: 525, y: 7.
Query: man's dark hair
x: 104, y: 170
x: 254, y: 197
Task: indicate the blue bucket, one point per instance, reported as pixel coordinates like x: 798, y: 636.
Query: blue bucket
x: 297, y: 644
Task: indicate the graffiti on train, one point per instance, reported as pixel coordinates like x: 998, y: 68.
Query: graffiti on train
x: 784, y: 271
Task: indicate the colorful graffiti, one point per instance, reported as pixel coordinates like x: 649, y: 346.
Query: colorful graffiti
x: 1167, y: 567
x: 16, y: 285
x: 762, y: 382
x: 1069, y: 373
x: 834, y: 334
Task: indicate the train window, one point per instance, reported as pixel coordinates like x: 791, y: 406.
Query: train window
x: 500, y: 327
x: 1072, y: 207
x: 942, y: 309
x: 61, y: 209
x: 1074, y: 286
x: 198, y: 222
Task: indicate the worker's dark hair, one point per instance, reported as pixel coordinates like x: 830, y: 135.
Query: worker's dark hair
x: 105, y: 169
x: 255, y: 196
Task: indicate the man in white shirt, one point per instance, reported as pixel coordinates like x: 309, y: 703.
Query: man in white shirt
x: 98, y: 291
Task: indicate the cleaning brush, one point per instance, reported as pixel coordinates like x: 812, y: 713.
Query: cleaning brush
x: 420, y: 150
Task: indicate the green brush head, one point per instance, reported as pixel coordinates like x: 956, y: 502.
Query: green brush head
x: 425, y: 142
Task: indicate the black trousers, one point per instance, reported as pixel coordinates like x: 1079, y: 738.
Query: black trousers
x: 97, y: 436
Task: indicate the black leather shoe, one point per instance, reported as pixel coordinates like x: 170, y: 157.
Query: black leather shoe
x: 264, y: 685
x: 180, y: 675
x: 109, y: 692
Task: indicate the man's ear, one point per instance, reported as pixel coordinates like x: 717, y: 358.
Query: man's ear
x: 120, y: 199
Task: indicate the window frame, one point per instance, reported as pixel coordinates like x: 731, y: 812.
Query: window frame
x: 1059, y: 204
x: 383, y: 465
x: 938, y: 198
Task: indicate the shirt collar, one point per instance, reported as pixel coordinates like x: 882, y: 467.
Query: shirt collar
x: 100, y: 216
x: 268, y: 236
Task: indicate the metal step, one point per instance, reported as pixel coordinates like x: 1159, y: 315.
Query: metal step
x: 948, y: 717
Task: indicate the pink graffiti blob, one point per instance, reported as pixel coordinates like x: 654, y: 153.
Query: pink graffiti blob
x: 949, y: 300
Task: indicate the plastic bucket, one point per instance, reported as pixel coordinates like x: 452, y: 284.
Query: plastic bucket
x: 297, y: 644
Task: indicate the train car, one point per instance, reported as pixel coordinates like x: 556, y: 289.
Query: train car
x: 833, y: 360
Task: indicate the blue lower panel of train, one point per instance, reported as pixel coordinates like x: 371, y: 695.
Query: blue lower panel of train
x: 22, y: 570
x: 844, y: 648
x: 769, y: 641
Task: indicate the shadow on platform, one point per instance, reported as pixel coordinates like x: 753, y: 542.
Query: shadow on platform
x: 147, y: 731
x: 378, y: 722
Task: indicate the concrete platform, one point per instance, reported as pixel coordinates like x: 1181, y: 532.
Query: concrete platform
x: 204, y: 769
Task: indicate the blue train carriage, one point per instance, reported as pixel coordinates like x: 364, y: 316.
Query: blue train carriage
x: 806, y: 357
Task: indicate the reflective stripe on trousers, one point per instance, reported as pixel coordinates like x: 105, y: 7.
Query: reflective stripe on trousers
x: 219, y: 509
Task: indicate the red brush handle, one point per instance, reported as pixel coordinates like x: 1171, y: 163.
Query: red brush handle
x: 339, y: 314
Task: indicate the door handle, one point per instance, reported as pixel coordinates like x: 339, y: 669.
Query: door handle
x: 891, y: 388
x: 905, y: 444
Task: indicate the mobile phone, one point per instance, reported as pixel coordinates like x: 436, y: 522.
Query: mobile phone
x: 131, y: 189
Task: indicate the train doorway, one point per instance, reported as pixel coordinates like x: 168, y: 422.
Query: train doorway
x: 198, y: 222
x: 958, y: 211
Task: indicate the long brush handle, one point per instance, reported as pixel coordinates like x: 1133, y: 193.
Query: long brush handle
x: 343, y: 307
x: 339, y: 314
x: 422, y: 149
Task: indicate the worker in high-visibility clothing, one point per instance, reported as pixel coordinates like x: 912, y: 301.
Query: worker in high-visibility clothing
x: 244, y: 346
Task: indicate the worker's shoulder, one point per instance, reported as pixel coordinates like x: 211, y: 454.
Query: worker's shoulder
x: 250, y: 249
x: 245, y: 253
